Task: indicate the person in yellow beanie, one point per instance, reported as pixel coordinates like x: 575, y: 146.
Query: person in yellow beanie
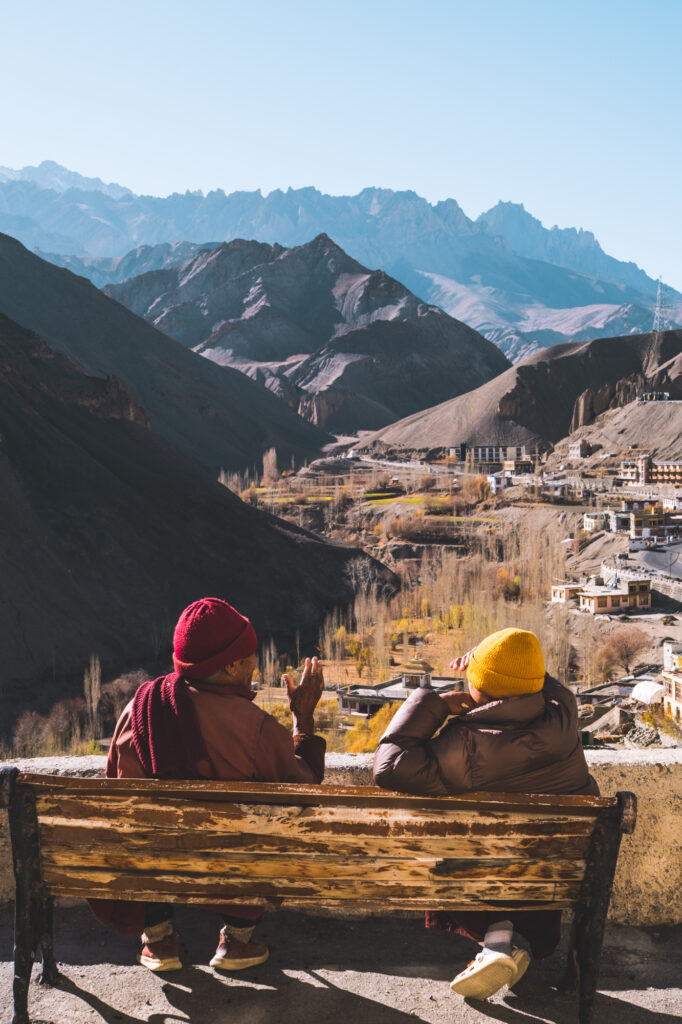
x: 514, y: 731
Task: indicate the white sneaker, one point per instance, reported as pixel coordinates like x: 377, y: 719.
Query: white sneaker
x: 521, y: 958
x: 486, y: 974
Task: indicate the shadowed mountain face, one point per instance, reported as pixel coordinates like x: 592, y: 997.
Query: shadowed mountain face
x: 347, y: 347
x: 554, y: 391
x: 518, y: 283
x: 107, y: 533
x: 210, y: 413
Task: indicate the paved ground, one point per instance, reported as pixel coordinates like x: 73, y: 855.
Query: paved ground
x: 329, y: 971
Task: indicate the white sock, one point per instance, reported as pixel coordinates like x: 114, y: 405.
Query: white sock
x: 498, y: 937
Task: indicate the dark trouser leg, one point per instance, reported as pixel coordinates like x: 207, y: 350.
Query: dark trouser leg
x: 157, y: 913
x: 234, y: 921
x: 50, y: 974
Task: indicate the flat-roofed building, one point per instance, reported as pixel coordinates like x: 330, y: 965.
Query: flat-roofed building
x: 579, y: 449
x: 604, y: 600
x: 672, y: 696
x: 594, y: 521
x: 563, y: 593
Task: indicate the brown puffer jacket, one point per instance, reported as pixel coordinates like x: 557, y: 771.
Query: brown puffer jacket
x: 526, y: 744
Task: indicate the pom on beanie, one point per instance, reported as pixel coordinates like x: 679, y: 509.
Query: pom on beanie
x: 209, y: 635
x: 507, y: 663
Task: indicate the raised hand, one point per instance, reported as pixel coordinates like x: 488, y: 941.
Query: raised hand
x: 303, y: 699
x: 460, y: 664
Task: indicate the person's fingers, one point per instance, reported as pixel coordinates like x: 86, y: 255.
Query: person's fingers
x: 289, y: 683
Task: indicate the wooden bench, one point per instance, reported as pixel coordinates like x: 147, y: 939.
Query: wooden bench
x: 344, y: 847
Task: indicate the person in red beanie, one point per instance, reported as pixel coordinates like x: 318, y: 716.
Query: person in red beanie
x: 200, y: 722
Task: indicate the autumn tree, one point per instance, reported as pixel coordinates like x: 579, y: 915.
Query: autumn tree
x: 627, y: 645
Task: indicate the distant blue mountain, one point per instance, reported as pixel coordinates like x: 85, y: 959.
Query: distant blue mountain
x: 518, y: 283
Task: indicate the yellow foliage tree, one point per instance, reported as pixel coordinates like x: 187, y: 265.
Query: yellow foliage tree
x: 364, y: 737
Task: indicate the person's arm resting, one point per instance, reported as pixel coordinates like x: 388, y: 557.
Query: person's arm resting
x: 404, y: 759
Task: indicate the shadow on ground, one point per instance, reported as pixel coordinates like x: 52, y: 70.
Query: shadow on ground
x: 331, y: 971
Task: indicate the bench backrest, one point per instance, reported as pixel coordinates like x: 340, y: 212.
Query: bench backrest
x: 211, y: 842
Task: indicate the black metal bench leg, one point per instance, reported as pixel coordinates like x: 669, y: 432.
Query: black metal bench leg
x: 25, y: 941
x: 587, y: 934
x: 50, y: 974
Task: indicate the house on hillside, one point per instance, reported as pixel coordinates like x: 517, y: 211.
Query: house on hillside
x: 644, y: 470
x: 595, y: 598
x: 594, y: 521
x: 672, y: 695
x: 629, y: 595
x: 563, y: 593
x: 579, y: 449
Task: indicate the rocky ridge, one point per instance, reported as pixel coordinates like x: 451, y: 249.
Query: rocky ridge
x: 519, y: 284
x: 210, y: 413
x: 347, y: 347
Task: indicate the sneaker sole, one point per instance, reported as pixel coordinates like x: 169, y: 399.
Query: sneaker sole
x: 486, y: 982
x: 521, y: 958
x: 238, y: 963
x: 159, y: 966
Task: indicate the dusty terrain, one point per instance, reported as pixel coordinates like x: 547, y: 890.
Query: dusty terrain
x: 324, y: 971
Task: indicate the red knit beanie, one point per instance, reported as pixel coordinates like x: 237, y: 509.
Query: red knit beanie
x: 209, y: 635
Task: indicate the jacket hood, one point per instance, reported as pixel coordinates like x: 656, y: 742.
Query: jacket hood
x: 511, y: 711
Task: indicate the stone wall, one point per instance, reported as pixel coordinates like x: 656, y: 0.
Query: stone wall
x: 649, y: 878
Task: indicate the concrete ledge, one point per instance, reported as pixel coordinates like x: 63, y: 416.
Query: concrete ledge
x: 649, y: 878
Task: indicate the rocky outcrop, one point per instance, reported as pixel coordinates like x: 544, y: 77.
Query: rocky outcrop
x: 592, y: 403
x: 539, y: 401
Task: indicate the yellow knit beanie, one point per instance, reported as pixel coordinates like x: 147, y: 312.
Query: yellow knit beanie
x: 507, y: 663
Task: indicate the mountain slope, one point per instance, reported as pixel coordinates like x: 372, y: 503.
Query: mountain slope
x: 108, y: 532
x: 539, y: 401
x: 349, y: 347
x: 508, y: 271
x: 210, y: 413
x: 565, y: 247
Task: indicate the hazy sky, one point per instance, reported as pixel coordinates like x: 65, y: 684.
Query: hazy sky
x: 572, y: 108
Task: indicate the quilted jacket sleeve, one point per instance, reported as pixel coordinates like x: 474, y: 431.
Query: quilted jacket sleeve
x: 410, y: 760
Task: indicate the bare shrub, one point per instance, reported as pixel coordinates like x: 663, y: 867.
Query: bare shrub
x: 117, y: 693
x: 29, y: 734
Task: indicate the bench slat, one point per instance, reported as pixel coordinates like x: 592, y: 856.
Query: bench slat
x: 328, y: 867
x: 56, y: 833
x: 290, y: 793
x: 375, y: 906
x: 331, y: 821
x: 156, y: 886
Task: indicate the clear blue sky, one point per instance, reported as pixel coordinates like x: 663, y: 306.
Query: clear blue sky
x: 569, y: 106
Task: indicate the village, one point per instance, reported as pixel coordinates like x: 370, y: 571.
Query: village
x: 566, y: 539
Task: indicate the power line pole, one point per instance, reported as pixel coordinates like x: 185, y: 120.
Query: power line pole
x: 662, y: 311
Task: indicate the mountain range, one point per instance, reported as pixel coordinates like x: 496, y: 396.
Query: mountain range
x: 348, y: 348
x: 108, y: 531
x: 521, y: 285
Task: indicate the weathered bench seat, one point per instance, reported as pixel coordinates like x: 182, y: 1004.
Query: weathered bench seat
x: 300, y: 846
